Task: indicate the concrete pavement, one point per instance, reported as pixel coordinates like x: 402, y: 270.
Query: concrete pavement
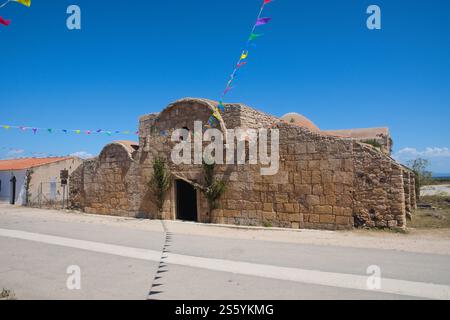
x: 120, y: 257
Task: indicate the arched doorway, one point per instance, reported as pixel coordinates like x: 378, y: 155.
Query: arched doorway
x: 12, y: 183
x: 186, y: 202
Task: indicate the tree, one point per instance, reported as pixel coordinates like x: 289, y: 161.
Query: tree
x: 28, y: 176
x: 160, y: 182
x: 423, y: 177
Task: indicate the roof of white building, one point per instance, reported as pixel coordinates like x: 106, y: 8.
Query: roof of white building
x: 27, y: 163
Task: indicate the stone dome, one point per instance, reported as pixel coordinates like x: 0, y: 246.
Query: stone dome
x: 300, y: 120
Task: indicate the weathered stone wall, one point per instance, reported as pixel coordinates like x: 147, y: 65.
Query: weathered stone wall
x: 379, y: 194
x: 241, y: 116
x: 323, y: 182
x: 103, y: 187
x: 40, y: 188
x: 407, y: 188
x: 412, y: 187
x: 146, y: 123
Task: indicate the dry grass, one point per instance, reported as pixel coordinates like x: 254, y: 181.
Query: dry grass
x: 432, y: 219
x: 7, y: 295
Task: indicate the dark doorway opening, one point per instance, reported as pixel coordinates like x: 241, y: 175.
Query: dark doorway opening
x: 12, y: 199
x: 186, y: 201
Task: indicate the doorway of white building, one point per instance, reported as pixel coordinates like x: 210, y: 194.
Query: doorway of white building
x: 12, y: 183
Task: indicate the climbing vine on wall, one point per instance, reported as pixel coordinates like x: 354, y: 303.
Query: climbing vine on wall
x: 29, y: 175
x: 214, y: 188
x: 160, y: 182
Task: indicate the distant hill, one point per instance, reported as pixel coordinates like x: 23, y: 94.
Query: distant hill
x: 441, y: 175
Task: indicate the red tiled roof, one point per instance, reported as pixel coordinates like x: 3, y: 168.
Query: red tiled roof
x: 27, y: 163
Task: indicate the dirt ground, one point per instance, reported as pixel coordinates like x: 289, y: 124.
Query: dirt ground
x: 435, y: 217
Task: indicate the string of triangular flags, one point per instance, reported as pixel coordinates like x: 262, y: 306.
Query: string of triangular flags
x: 7, y: 22
x: 35, y: 130
x: 216, y: 114
x: 260, y: 21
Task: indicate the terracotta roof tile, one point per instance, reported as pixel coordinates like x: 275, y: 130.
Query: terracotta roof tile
x: 27, y: 163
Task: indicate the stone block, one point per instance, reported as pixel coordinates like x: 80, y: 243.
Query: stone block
x: 312, y: 200
x: 323, y: 209
x: 268, y: 207
x: 342, y: 220
x: 303, y: 189
x: 289, y: 207
x: 316, y: 177
x: 327, y: 218
x: 268, y: 215
x: 317, y: 190
x: 392, y: 223
x: 310, y: 147
x: 329, y: 189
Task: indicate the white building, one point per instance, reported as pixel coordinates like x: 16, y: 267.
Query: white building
x: 45, y: 183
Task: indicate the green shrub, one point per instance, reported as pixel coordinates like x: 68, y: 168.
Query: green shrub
x: 373, y: 143
x: 160, y: 182
x: 214, y: 188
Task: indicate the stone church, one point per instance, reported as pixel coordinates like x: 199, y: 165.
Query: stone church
x: 326, y: 179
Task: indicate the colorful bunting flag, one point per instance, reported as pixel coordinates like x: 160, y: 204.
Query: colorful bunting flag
x: 250, y: 42
x: 4, y: 21
x: 262, y: 21
x: 24, y: 2
x: 226, y: 90
x: 254, y: 36
x: 221, y: 106
x: 217, y: 115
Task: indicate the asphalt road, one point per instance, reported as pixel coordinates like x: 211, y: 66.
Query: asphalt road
x: 140, y: 259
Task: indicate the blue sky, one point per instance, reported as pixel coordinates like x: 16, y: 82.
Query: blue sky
x: 316, y: 58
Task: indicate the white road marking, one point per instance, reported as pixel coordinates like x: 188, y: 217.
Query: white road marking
x: 331, y: 279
